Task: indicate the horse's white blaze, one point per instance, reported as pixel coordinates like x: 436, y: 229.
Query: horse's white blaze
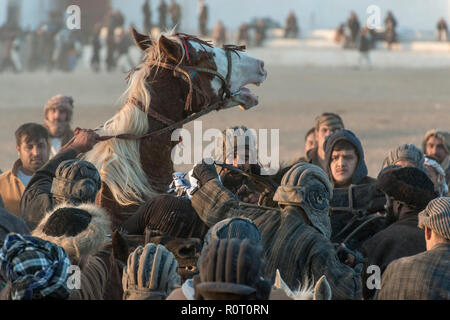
x: 245, y: 70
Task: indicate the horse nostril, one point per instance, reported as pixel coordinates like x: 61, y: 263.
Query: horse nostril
x: 261, y: 66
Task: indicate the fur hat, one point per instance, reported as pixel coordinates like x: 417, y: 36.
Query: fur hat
x: 307, y: 186
x: 76, y: 181
x: 436, y: 216
x: 409, y: 185
x: 232, y: 269
x: 406, y: 152
x: 150, y: 274
x: 81, y: 230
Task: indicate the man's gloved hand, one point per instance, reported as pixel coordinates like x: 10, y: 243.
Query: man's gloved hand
x: 204, y: 172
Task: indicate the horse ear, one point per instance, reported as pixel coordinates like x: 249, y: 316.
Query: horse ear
x: 322, y: 290
x: 141, y: 40
x: 170, y: 48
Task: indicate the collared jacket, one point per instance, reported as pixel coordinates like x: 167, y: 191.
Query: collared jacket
x: 425, y: 276
x: 37, y: 198
x: 298, y: 250
x: 11, y: 188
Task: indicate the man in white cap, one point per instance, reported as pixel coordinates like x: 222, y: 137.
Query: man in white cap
x: 57, y: 117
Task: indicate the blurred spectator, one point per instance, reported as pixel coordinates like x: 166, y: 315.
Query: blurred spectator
x: 96, y: 47
x: 260, y: 32
x: 354, y: 26
x: 162, y: 9
x: 364, y: 47
x: 219, y: 34
x: 292, y: 29
x: 340, y: 36
x: 146, y: 10
x: 390, y: 25
x: 175, y: 14
x: 243, y: 38
x: 202, y: 18
x: 442, y: 30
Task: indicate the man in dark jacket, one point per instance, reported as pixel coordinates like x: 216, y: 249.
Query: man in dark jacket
x: 295, y: 239
x: 346, y: 167
x: 408, y: 191
x: 344, y: 156
x: 425, y: 276
x: 62, y: 179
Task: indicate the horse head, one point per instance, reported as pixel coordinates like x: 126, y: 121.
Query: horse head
x: 186, y: 74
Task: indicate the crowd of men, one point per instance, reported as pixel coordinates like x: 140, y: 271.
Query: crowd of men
x: 237, y: 233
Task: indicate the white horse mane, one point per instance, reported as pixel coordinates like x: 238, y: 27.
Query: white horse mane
x: 118, y: 161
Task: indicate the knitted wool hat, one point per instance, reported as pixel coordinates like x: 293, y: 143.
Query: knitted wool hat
x: 174, y: 216
x: 440, y: 185
x: 76, y: 181
x: 409, y: 185
x: 406, y: 152
x: 150, y: 274
x: 307, y: 186
x: 436, y: 216
x: 34, y: 268
x: 81, y: 230
x: 60, y: 101
x: 232, y: 269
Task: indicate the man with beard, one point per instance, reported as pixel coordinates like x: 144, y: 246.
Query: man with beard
x: 436, y: 145
x: 408, y: 191
x: 33, y: 150
x: 57, y: 117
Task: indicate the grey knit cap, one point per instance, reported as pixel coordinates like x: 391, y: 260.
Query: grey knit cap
x: 406, y: 152
x: 150, y: 274
x: 436, y: 216
x: 307, y: 186
x: 76, y: 181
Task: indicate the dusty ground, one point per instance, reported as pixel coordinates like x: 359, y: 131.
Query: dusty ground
x: 384, y: 107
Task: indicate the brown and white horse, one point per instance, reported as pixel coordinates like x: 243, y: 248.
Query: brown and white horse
x: 180, y: 76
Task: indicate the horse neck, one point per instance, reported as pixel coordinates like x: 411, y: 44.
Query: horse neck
x: 156, y: 151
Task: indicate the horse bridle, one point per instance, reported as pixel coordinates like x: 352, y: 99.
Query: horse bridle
x: 183, y: 72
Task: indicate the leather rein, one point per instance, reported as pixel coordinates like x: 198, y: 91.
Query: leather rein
x: 183, y: 72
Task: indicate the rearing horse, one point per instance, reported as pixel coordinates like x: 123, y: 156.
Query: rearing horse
x: 180, y: 76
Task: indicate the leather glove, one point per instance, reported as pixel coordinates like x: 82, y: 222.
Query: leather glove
x: 204, y: 172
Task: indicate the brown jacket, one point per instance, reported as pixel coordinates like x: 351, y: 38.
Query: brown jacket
x: 11, y: 188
